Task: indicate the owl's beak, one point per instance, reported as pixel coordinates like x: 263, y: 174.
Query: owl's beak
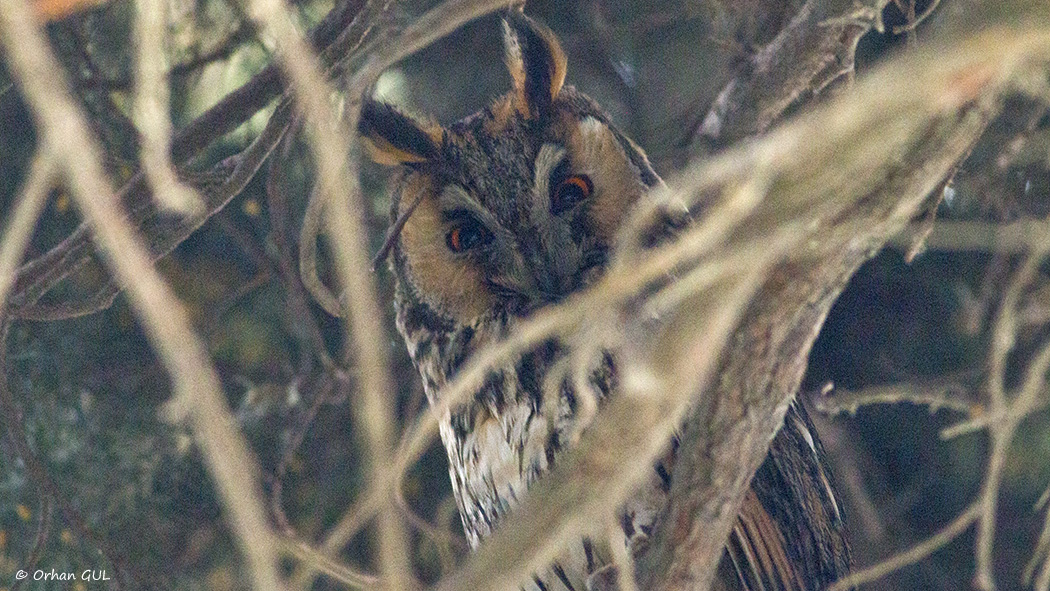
x: 528, y: 285
x: 522, y: 297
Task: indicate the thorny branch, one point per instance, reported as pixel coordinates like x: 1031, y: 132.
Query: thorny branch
x: 935, y: 394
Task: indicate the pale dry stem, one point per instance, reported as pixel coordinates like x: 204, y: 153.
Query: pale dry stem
x: 934, y: 394
x: 1013, y: 411
x: 33, y: 197
x: 198, y: 396
x: 337, y: 178
x: 913, y: 554
x: 151, y: 109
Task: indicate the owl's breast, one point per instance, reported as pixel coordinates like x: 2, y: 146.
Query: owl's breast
x: 512, y: 431
x: 505, y: 437
x: 497, y: 446
x: 495, y: 462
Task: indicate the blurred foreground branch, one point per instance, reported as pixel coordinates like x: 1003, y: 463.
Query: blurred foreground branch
x: 217, y: 185
x: 198, y: 396
x: 930, y: 128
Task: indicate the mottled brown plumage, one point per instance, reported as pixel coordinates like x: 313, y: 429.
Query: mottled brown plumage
x: 513, y: 209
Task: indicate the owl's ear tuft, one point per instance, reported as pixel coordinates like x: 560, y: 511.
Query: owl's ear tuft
x: 536, y: 62
x: 393, y: 138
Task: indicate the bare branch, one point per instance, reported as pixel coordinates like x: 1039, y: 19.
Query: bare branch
x: 935, y: 394
x: 322, y: 562
x: 1041, y: 555
x: 337, y: 180
x: 151, y: 109
x: 217, y: 187
x: 42, y: 173
x: 813, y: 50
x: 197, y: 392
x: 913, y: 554
x: 40, y: 275
x: 1012, y: 411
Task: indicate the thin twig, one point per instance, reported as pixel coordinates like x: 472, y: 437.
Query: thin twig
x: 913, y: 554
x: 297, y: 303
x: 324, y: 563
x: 442, y: 540
x: 349, y: 238
x: 151, y: 109
x: 936, y: 395
x: 23, y: 220
x: 1041, y: 553
x: 308, y: 232
x: 915, y: 20
x: 295, y: 441
x: 347, y: 43
x: 1013, y: 411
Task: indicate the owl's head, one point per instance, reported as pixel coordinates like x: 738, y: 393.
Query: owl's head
x: 515, y: 206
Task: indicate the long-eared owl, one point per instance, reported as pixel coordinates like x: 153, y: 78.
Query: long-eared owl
x: 510, y: 210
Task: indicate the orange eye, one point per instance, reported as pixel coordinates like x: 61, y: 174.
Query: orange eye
x: 569, y: 192
x: 453, y: 240
x: 466, y: 234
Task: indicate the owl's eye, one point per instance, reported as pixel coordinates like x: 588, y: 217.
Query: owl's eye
x: 570, y: 191
x: 467, y: 233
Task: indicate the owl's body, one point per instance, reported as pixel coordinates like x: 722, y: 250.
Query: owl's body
x: 498, y: 445
x: 513, y: 209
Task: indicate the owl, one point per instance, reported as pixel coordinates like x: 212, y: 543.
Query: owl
x: 510, y: 210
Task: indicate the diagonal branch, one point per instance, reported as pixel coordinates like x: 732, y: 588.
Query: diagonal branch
x: 218, y: 185
x: 813, y: 50
x: 931, y: 129
x: 198, y: 396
